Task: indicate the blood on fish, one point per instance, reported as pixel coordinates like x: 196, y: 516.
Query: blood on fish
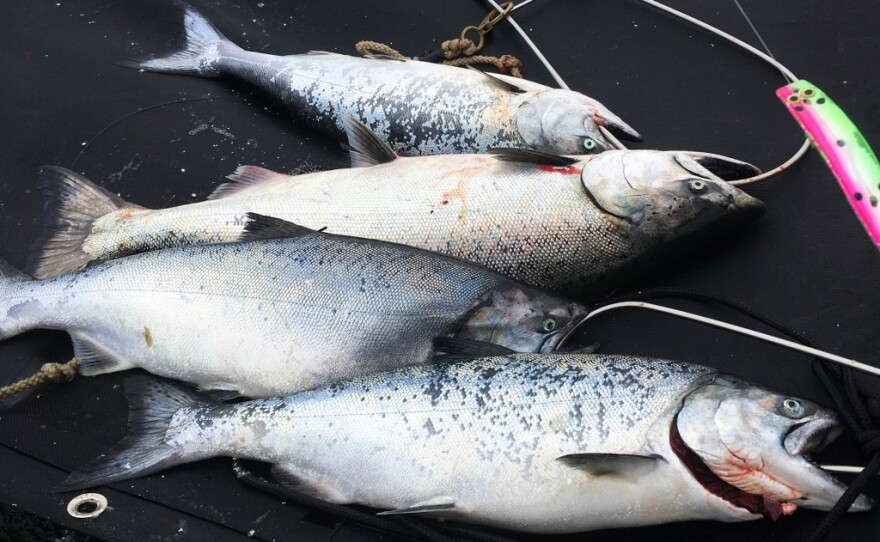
x: 565, y: 170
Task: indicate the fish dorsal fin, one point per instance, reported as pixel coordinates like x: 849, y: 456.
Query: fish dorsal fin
x: 378, y: 56
x: 453, y: 349
x: 526, y: 156
x: 437, y: 504
x: 626, y: 466
x: 366, y: 148
x: 503, y: 84
x: 244, y: 178
x: 259, y: 227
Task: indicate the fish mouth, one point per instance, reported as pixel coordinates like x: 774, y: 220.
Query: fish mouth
x: 574, y: 326
x: 746, y: 206
x: 812, y: 436
x: 614, y: 124
x: 808, y: 437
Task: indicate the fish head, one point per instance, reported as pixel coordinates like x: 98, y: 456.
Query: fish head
x: 522, y: 319
x: 664, y: 193
x: 566, y: 122
x: 756, y: 445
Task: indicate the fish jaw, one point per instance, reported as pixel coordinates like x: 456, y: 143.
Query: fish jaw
x: 603, y: 116
x: 740, y: 444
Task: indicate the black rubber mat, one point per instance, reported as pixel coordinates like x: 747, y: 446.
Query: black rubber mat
x: 161, y: 140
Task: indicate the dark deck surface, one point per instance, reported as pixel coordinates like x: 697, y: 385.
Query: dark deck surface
x: 807, y: 262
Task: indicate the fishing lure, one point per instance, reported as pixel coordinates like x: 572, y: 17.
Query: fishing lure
x: 843, y: 147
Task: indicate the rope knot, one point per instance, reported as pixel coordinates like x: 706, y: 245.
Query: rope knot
x: 59, y: 372
x: 510, y: 64
x: 458, y: 47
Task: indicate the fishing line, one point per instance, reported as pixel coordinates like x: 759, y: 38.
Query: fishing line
x: 730, y: 327
x: 138, y: 111
x: 788, y: 74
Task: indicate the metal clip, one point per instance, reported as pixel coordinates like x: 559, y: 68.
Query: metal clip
x: 488, y: 23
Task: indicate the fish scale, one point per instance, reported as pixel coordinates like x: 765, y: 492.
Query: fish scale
x: 418, y: 107
x: 268, y: 317
x: 546, y: 443
x: 544, y: 225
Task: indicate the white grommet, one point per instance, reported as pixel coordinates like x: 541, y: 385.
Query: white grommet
x: 87, y: 505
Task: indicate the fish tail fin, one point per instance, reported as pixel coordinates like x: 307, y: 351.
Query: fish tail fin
x: 200, y: 54
x: 152, y: 404
x: 11, y: 322
x: 73, y: 203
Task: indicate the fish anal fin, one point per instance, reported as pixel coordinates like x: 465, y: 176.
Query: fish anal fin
x: 526, y: 156
x: 94, y: 358
x: 437, y: 504
x: 629, y: 467
x: 258, y: 227
x: 245, y: 178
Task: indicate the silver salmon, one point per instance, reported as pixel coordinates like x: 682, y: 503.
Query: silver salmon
x: 550, y: 443
x: 576, y: 224
x: 272, y: 316
x: 418, y: 107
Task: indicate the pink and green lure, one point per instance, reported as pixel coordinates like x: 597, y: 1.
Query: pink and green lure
x: 842, y: 145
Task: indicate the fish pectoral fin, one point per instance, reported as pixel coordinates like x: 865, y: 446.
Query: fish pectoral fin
x: 454, y: 349
x: 258, y: 227
x: 245, y: 178
x: 365, y: 147
x: 220, y: 392
x: 94, y: 358
x: 437, y: 504
x: 300, y: 483
x: 626, y: 466
x: 526, y: 156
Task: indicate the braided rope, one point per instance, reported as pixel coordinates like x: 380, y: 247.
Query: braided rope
x: 49, y: 372
x: 457, y: 52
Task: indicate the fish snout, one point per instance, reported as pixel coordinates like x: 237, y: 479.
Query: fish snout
x: 604, y: 117
x: 744, y: 204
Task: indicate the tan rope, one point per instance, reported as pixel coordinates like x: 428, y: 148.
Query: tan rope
x: 458, y: 52
x: 505, y: 64
x: 49, y: 372
x: 367, y: 48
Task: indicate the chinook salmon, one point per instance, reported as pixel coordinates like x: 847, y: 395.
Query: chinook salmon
x: 575, y: 224
x: 549, y: 443
x: 418, y: 107
x: 274, y: 315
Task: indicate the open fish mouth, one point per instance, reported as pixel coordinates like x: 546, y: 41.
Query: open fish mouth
x: 812, y: 436
x: 805, y: 438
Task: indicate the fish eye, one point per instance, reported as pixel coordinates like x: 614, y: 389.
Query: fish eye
x: 549, y: 324
x: 792, y: 408
x: 697, y: 186
x: 589, y: 144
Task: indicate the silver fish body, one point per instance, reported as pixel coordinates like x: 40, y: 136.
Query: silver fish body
x: 580, y: 228
x: 542, y: 443
x: 418, y: 107
x: 274, y: 316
